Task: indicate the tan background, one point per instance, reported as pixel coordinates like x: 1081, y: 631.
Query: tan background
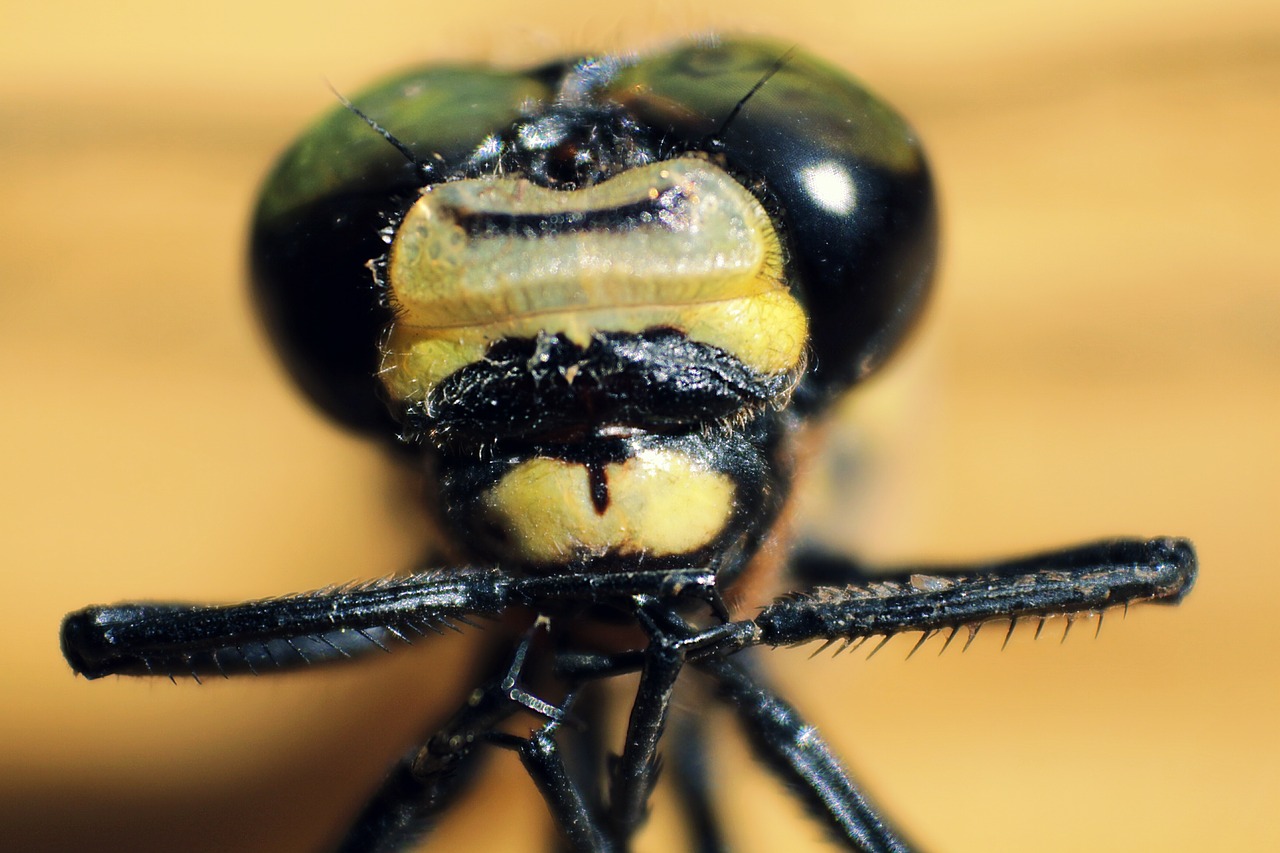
x: 1103, y: 357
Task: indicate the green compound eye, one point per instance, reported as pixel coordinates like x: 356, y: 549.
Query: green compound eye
x: 824, y: 182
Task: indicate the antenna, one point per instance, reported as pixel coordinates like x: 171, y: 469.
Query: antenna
x: 737, y: 108
x: 405, y: 150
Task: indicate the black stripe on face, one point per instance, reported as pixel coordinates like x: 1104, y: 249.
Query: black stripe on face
x: 747, y: 456
x: 668, y: 210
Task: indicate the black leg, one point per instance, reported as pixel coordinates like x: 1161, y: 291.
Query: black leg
x: 634, y: 772
x: 275, y: 633
x: 406, y: 807
x: 793, y: 749
x: 781, y: 737
x: 335, y: 623
x: 332, y: 624
x: 424, y: 783
x: 1071, y: 581
x: 581, y: 828
x: 1063, y: 582
x: 636, y: 769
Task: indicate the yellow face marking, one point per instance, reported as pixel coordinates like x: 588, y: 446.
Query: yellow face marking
x: 661, y: 502
x: 677, y: 244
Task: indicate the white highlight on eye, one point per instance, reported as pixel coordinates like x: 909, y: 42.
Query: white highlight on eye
x: 831, y: 186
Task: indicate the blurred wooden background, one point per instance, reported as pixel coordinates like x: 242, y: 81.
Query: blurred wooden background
x: 1103, y: 357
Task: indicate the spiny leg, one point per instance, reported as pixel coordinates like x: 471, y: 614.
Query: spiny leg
x: 1080, y: 579
x: 337, y: 623
x: 1067, y: 582
x: 1090, y: 578
x: 276, y: 633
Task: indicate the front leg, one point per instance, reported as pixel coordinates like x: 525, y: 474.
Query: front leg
x: 276, y: 633
x: 1068, y: 582
x: 332, y: 624
x: 1085, y: 579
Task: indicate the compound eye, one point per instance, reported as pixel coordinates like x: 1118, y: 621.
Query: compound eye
x: 843, y: 173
